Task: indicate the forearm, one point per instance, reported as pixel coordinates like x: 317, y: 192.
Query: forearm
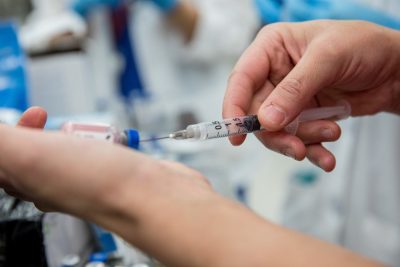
x: 163, y: 208
x: 184, y: 18
x: 212, y: 231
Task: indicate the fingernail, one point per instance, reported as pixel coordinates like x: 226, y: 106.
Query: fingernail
x: 274, y: 115
x: 327, y: 133
x: 289, y: 152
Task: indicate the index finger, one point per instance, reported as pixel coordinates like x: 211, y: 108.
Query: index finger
x: 249, y: 74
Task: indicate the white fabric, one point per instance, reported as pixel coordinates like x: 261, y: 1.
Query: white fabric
x: 65, y: 235
x: 358, y: 204
x: 50, y: 19
x: 192, y: 78
x: 195, y: 72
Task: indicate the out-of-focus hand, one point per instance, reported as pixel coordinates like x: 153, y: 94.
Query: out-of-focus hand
x: 290, y: 67
x: 302, y: 10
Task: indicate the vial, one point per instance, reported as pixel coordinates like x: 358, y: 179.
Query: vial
x: 129, y: 137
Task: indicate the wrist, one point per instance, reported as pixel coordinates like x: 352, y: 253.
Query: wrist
x: 161, y: 211
x: 121, y: 193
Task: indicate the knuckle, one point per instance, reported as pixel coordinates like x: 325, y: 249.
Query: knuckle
x: 241, y: 79
x: 266, y: 30
x: 291, y: 89
x: 273, y: 28
x: 273, y: 32
x: 328, y: 49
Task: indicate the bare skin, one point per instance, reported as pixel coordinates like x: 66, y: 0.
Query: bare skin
x: 290, y: 67
x: 169, y: 210
x: 164, y: 208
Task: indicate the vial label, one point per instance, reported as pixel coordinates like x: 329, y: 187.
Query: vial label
x: 106, y: 136
x: 90, y: 131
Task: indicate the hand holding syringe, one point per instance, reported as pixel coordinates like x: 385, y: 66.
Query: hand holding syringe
x: 204, y: 130
x: 249, y: 124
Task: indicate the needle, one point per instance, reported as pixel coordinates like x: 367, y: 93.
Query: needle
x: 155, y: 139
x: 179, y: 135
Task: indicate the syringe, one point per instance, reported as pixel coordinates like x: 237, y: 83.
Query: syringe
x: 204, y: 130
x: 249, y: 124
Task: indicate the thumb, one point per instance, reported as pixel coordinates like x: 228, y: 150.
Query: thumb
x: 34, y: 117
x: 312, y: 73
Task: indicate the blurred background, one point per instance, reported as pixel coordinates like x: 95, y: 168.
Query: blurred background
x: 160, y: 65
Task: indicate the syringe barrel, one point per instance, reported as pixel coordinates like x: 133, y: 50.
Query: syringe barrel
x: 249, y: 124
x: 341, y: 111
x: 224, y: 128
x: 197, y: 131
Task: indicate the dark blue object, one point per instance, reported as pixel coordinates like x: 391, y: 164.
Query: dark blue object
x: 130, y: 80
x: 13, y: 88
x: 133, y: 138
x: 241, y: 193
x: 105, y: 240
x: 98, y: 257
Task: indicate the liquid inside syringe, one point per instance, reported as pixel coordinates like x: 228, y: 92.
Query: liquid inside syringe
x: 219, y: 129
